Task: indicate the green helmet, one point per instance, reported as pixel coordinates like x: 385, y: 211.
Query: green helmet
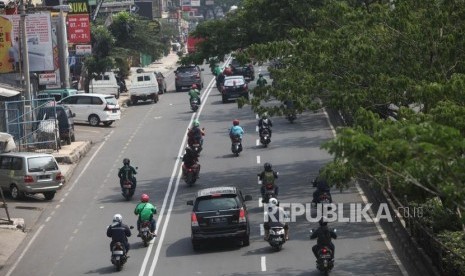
x: 196, y: 123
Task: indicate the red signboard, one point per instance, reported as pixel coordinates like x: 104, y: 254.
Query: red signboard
x: 78, y: 28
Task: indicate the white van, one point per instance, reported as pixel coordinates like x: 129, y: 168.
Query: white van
x: 144, y: 86
x: 105, y: 84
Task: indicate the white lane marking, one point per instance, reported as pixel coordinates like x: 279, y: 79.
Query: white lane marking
x: 168, y: 214
x: 256, y: 128
x: 90, y: 161
x: 258, y: 142
x: 262, y: 230
x: 258, y: 159
x: 47, y: 219
x: 24, y: 251
x: 260, y: 204
x: 61, y: 200
x: 378, y: 226
x: 58, y: 206
x: 256, y: 117
x: 263, y: 263
x: 75, y: 231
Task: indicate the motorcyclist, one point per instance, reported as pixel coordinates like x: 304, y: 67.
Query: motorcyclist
x: 321, y: 187
x: 236, y: 130
x: 324, y: 235
x: 194, y: 94
x: 195, y: 134
x: 190, y: 159
x: 276, y: 217
x: 220, y: 80
x: 118, y: 232
x: 268, y: 176
x: 127, y: 172
x: 261, y: 81
x: 217, y: 70
x: 145, y: 210
x: 264, y: 123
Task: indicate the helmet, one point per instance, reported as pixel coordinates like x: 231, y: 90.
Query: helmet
x: 194, y: 86
x: 126, y: 161
x: 196, y: 123
x: 267, y: 167
x: 323, y: 221
x: 265, y: 116
x: 236, y: 122
x: 118, y: 218
x: 273, y: 201
x: 144, y: 198
x: 260, y: 75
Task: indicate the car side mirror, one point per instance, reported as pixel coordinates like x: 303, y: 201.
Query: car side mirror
x: 190, y: 202
x: 131, y: 227
x: 248, y: 198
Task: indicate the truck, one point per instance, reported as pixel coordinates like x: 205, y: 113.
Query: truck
x: 192, y: 43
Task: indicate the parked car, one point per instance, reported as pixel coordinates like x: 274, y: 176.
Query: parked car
x: 246, y: 70
x: 186, y: 76
x: 144, y: 86
x: 219, y: 212
x: 57, y: 94
x: 24, y: 173
x: 105, y: 84
x: 93, y: 108
x: 162, y: 87
x: 234, y: 87
x: 65, y: 120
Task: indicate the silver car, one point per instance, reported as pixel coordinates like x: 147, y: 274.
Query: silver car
x: 186, y: 76
x: 24, y: 173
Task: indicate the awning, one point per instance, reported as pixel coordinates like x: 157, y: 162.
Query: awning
x: 5, y: 92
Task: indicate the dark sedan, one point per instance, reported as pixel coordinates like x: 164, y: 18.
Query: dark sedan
x: 234, y: 87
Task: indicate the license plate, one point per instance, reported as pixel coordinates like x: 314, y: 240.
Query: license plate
x: 218, y: 220
x: 44, y: 176
x: 117, y: 258
x: 118, y: 252
x: 127, y: 186
x: 278, y: 239
x: 113, y: 111
x: 145, y: 229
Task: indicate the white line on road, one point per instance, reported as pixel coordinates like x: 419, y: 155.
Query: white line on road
x: 258, y: 142
x: 47, y: 219
x: 58, y: 206
x: 260, y: 204
x: 378, y: 226
x: 24, y: 251
x: 61, y: 200
x: 262, y: 230
x: 258, y: 159
x: 263, y: 263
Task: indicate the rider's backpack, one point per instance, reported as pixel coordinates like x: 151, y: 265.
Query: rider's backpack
x: 268, y: 177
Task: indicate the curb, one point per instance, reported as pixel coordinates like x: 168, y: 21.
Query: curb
x: 75, y: 154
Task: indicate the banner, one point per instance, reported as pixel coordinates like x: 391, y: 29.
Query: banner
x: 39, y: 42
x: 78, y: 28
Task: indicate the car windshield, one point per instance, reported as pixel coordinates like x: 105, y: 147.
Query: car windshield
x: 111, y: 100
x: 38, y: 164
x: 187, y: 70
x: 233, y: 82
x: 217, y: 203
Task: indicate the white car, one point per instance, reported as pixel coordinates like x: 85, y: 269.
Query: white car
x: 93, y: 108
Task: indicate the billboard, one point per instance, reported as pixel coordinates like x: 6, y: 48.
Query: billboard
x: 78, y: 28
x: 195, y: 3
x: 39, y: 42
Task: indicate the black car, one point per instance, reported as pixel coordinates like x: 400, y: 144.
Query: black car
x: 219, y: 212
x: 234, y: 87
x: 63, y: 115
x: 246, y: 70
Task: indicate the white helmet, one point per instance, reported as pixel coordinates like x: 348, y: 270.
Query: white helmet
x: 273, y: 202
x: 118, y: 218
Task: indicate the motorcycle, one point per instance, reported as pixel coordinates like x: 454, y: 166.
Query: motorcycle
x: 236, y: 146
x: 269, y: 192
x: 145, y: 233
x: 191, y: 173
x: 194, y: 104
x: 291, y: 117
x: 325, y: 261
x: 277, y: 237
x: 265, y: 137
x: 128, y: 189
x: 118, y: 256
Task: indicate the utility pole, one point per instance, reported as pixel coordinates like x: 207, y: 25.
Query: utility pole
x: 63, y: 48
x: 24, y: 52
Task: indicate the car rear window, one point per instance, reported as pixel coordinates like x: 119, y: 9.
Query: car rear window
x: 38, y: 164
x: 111, y: 100
x: 217, y: 203
x: 187, y: 70
x: 232, y: 82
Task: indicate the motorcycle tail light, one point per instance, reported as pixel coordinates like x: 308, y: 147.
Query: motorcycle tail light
x: 324, y: 251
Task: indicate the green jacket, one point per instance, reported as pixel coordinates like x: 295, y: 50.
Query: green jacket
x: 261, y: 82
x: 194, y: 94
x: 217, y: 70
x: 145, y: 210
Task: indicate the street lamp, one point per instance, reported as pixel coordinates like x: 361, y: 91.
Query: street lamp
x: 63, y: 44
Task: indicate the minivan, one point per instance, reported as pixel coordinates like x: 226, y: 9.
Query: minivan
x: 186, y: 76
x: 144, y: 86
x: 65, y: 120
x: 23, y: 173
x: 105, y: 84
x: 93, y: 108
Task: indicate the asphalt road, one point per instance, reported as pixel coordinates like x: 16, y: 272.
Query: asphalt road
x: 69, y: 237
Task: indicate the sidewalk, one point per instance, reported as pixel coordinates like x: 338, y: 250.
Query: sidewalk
x: 12, y: 234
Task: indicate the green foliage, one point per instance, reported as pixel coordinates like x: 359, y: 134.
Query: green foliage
x: 436, y: 216
x: 455, y: 241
